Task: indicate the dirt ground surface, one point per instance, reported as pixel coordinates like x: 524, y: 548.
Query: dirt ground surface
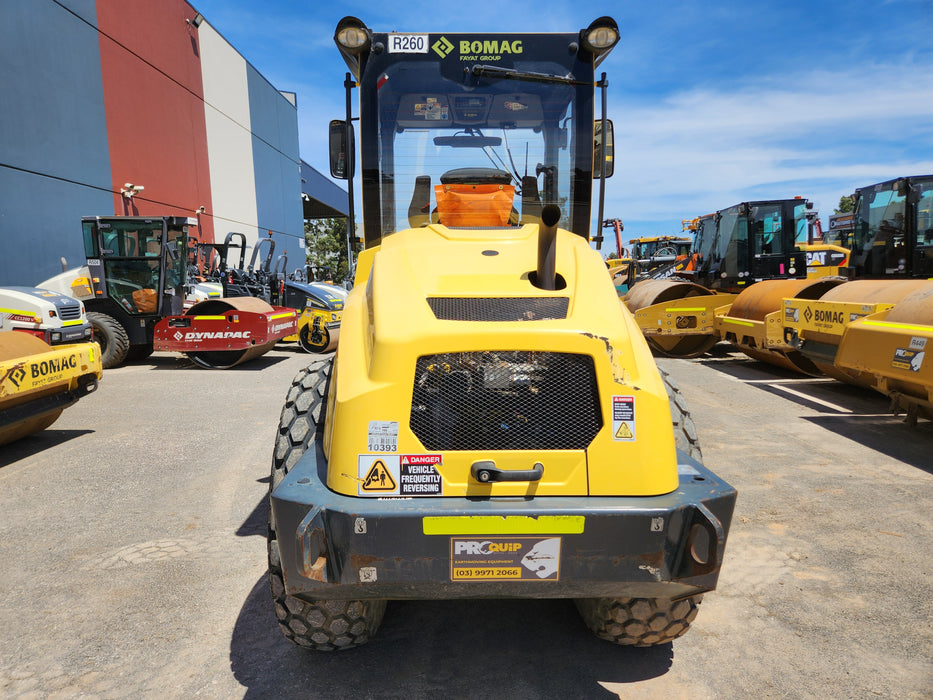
x: 132, y: 543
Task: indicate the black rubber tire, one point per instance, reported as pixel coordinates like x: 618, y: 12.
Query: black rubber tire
x: 322, y: 625
x: 685, y: 432
x: 308, y: 345
x: 644, y: 622
x: 640, y: 622
x: 112, y: 337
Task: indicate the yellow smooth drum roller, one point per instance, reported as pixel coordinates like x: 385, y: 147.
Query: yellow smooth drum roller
x: 754, y: 323
x: 888, y: 351
x: 676, y: 317
x: 856, y: 299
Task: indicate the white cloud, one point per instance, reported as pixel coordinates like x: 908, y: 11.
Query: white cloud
x: 818, y: 135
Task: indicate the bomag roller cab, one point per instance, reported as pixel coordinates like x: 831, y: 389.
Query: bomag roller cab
x: 685, y: 312
x: 493, y: 423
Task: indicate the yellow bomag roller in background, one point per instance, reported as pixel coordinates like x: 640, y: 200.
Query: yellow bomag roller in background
x: 493, y: 423
x: 38, y: 381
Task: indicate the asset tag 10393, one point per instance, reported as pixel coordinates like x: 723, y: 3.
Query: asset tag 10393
x: 382, y: 436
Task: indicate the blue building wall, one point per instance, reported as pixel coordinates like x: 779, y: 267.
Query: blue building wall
x: 276, y: 167
x: 54, y: 158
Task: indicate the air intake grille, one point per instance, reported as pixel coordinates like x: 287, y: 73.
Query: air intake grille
x: 499, y: 309
x: 69, y: 312
x: 517, y: 400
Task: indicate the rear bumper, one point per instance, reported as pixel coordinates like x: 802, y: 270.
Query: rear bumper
x: 46, y: 404
x: 335, y: 546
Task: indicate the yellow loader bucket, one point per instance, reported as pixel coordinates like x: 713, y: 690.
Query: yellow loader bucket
x: 676, y: 317
x: 755, y: 322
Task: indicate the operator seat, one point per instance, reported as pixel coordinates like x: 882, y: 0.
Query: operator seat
x: 476, y: 197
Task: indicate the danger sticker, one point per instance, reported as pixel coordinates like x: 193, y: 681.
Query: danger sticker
x: 382, y: 436
x: 400, y: 475
x: 623, y: 418
x: 907, y: 359
x: 505, y: 559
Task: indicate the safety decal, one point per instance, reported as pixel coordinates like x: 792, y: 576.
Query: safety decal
x: 377, y: 477
x: 907, y: 359
x: 505, y: 559
x: 400, y: 475
x: 382, y: 436
x: 623, y: 418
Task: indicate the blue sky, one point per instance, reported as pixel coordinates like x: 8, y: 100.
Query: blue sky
x: 714, y: 103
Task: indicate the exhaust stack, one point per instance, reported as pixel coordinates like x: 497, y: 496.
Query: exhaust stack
x: 546, y: 275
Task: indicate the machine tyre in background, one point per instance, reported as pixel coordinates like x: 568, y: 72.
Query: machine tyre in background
x: 308, y: 345
x: 112, y: 338
x: 322, y: 625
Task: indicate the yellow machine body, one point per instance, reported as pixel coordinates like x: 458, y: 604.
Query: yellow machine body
x: 38, y: 381
x: 633, y: 452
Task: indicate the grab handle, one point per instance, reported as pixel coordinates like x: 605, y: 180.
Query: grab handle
x: 486, y: 472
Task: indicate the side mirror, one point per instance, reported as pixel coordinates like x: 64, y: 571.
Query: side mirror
x: 341, y: 152
x: 602, y: 149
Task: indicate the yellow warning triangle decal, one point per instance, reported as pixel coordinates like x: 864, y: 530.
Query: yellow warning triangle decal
x: 624, y: 432
x: 379, y: 478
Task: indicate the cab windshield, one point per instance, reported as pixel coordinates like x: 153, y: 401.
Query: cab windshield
x: 461, y: 146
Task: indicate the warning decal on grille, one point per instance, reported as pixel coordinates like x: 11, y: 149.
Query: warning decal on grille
x: 623, y: 418
x: 400, y: 475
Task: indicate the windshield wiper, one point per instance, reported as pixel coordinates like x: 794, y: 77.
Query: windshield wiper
x: 512, y: 74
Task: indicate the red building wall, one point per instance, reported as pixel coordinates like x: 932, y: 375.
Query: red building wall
x: 154, y: 106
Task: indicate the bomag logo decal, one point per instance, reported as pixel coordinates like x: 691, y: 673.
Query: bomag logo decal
x: 822, y: 316
x: 53, y: 366
x: 478, y: 49
x: 15, y: 375
x: 488, y: 49
x: 442, y: 47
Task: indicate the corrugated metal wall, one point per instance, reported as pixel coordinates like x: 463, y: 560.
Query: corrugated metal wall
x: 110, y: 92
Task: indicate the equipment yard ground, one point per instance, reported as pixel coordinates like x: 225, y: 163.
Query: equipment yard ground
x: 132, y: 542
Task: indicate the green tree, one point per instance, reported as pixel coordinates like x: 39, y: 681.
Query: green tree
x: 326, y: 248
x: 846, y: 204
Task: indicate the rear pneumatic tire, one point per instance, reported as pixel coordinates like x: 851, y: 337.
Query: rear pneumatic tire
x: 322, y: 625
x: 640, y: 622
x: 685, y: 432
x: 644, y: 622
x: 112, y: 337
x: 306, y: 342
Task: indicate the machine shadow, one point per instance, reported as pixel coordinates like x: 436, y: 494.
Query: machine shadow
x: 456, y: 648
x: 869, y: 421
x: 173, y: 361
x: 37, y: 442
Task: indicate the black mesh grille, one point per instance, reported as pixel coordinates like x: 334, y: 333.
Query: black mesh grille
x: 69, y: 312
x: 499, y: 309
x: 505, y: 401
